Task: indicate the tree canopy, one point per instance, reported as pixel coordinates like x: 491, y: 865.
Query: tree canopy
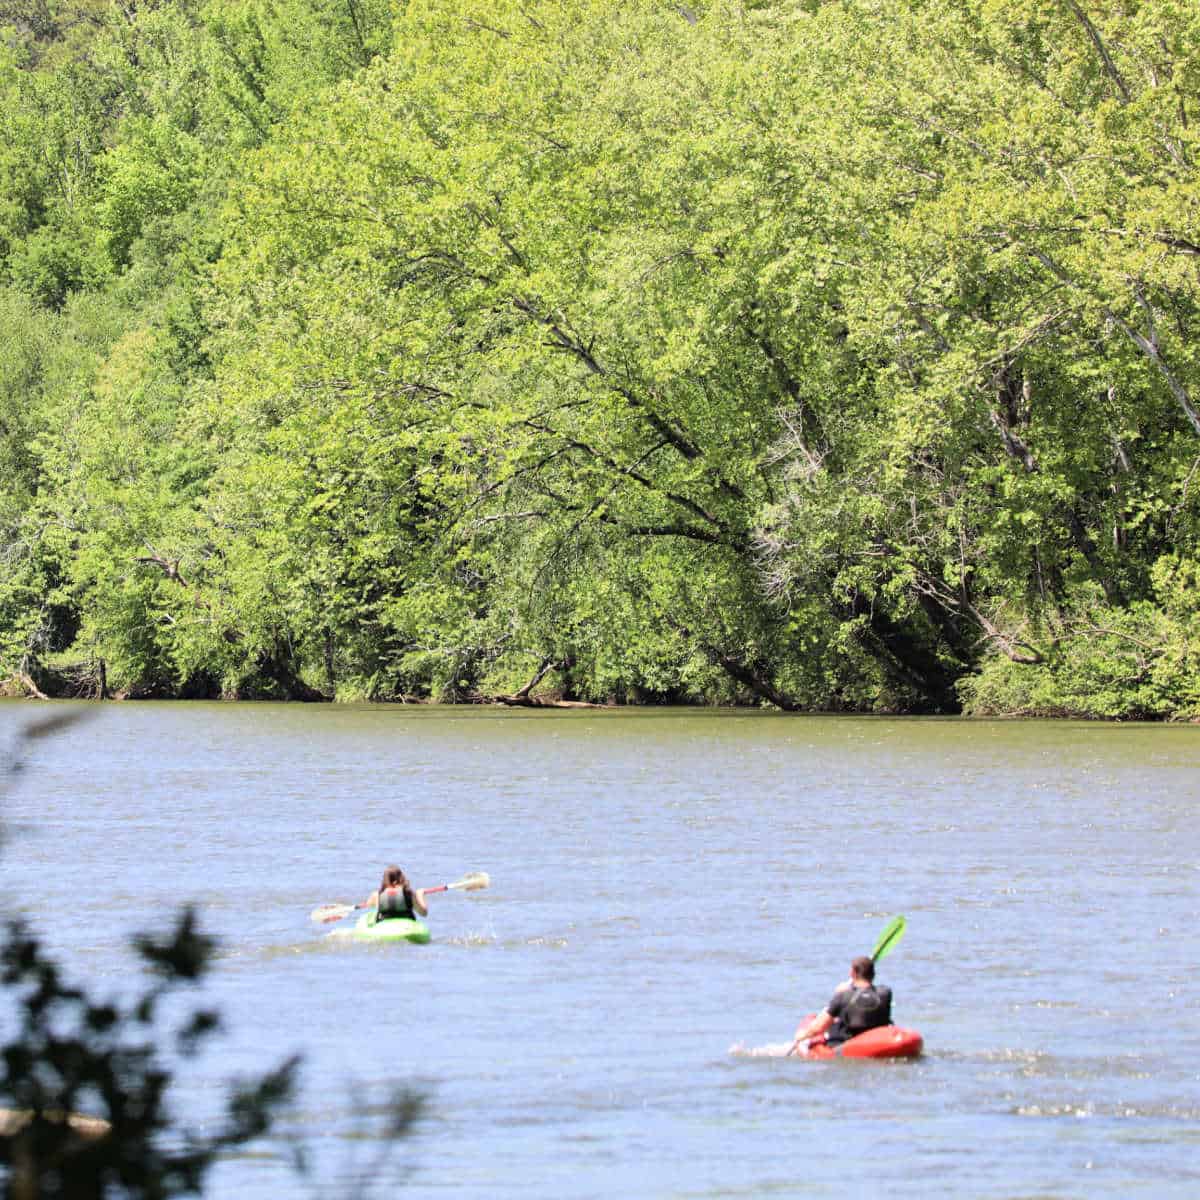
x: 833, y: 356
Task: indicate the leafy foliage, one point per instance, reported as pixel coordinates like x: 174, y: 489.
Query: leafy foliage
x: 72, y: 1052
x: 86, y: 1083
x: 814, y: 355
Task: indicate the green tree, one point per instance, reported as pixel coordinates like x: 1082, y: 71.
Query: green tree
x: 812, y: 354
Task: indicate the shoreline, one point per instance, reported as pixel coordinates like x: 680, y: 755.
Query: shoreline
x: 560, y: 706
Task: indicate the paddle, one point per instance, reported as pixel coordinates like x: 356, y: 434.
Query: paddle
x: 893, y: 931
x: 325, y: 914
x: 468, y: 883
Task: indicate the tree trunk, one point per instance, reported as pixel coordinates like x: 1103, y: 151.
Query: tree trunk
x: 278, y: 669
x: 906, y: 660
x: 748, y: 677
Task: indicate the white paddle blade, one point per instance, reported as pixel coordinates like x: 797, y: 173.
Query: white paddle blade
x: 327, y: 913
x: 472, y: 882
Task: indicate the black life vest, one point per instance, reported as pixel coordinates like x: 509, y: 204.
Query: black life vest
x: 393, y: 903
x: 867, y: 1008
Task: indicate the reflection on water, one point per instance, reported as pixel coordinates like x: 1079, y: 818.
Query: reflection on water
x: 664, y: 884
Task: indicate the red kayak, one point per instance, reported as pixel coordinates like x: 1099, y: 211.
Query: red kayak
x: 888, y: 1041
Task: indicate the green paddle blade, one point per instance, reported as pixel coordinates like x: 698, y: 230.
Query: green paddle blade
x: 892, y: 933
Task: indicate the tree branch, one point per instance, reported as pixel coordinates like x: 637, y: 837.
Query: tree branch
x: 1109, y: 66
x: 1147, y: 345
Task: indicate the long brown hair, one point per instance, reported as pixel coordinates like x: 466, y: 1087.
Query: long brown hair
x: 394, y: 877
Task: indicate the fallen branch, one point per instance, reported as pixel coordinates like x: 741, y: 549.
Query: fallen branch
x: 524, y: 699
x: 26, y: 681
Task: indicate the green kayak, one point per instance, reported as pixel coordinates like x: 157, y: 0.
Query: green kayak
x: 394, y: 929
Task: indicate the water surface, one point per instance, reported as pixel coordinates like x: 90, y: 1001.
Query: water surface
x: 665, y: 884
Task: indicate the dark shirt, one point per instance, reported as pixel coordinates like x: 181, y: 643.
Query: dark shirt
x: 856, y: 1010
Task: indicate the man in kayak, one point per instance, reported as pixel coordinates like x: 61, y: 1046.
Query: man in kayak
x: 857, y: 1006
x: 396, y: 897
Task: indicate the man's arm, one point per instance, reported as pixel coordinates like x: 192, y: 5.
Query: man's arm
x: 812, y: 1028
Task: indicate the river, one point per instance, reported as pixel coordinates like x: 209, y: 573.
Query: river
x: 665, y: 884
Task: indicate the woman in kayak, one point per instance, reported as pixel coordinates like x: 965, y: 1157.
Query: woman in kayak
x: 396, y: 897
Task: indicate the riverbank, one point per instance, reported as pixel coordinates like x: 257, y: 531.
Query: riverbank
x: 16, y: 691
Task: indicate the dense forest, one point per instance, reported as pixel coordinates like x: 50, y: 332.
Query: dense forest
x: 827, y: 355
